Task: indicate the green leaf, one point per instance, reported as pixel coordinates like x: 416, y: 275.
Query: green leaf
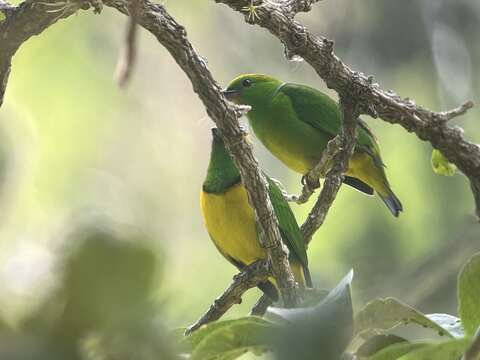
x: 230, y: 339
x: 441, y: 165
x: 387, y: 313
x: 2, y: 16
x: 378, y: 342
x: 322, y: 331
x: 107, y: 284
x: 448, y: 350
x: 397, y: 350
x: 469, y: 294
x: 313, y: 297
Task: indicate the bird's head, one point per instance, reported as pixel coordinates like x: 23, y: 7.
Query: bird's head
x: 249, y: 89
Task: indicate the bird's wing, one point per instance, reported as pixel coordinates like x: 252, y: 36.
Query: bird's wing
x: 322, y: 113
x: 288, y: 224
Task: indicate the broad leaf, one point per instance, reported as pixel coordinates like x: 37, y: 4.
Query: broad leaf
x: 448, y: 350
x: 319, y: 332
x: 441, y: 165
x: 378, y: 342
x: 395, y: 351
x: 469, y: 294
x: 387, y: 313
x: 312, y: 297
x: 230, y: 339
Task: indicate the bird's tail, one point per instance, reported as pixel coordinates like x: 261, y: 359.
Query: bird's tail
x: 391, y: 200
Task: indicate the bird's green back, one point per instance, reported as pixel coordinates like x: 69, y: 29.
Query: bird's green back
x: 322, y: 113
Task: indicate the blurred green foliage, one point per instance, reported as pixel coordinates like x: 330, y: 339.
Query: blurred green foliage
x: 77, y: 147
x: 325, y: 330
x: 101, y: 308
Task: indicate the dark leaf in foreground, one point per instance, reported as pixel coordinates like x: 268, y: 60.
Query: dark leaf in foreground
x: 319, y: 332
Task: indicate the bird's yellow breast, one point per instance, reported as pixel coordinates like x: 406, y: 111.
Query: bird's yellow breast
x: 230, y: 222
x: 291, y: 156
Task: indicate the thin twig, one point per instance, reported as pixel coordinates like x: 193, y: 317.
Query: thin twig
x: 250, y: 277
x: 312, y: 178
x: 334, y: 178
x: 261, y: 306
x: 127, y: 58
x: 461, y: 110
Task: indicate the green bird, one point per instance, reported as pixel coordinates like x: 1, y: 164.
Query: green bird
x: 295, y: 123
x: 230, y: 220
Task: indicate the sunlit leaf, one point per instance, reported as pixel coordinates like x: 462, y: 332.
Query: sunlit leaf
x: 387, y: 313
x: 469, y: 294
x: 322, y: 331
x: 441, y: 165
x: 230, y: 339
x: 450, y: 323
x: 448, y: 350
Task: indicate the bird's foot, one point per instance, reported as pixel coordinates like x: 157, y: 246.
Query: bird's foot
x: 311, y: 184
x: 286, y: 195
x: 308, y: 189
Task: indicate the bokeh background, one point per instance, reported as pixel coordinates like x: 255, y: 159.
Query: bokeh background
x: 81, y: 157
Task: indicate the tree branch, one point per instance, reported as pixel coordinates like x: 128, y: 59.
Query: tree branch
x: 358, y: 95
x: 312, y: 178
x: 429, y: 126
x: 250, y: 277
x: 334, y: 179
x: 173, y: 37
x: 261, y: 306
x: 127, y: 58
x: 28, y: 19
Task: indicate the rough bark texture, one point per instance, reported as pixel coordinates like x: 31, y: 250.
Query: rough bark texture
x: 22, y: 22
x: 247, y: 279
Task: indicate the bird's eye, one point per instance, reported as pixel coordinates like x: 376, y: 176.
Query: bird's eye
x: 247, y: 83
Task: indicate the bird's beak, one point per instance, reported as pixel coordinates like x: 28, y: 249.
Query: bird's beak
x: 230, y: 94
